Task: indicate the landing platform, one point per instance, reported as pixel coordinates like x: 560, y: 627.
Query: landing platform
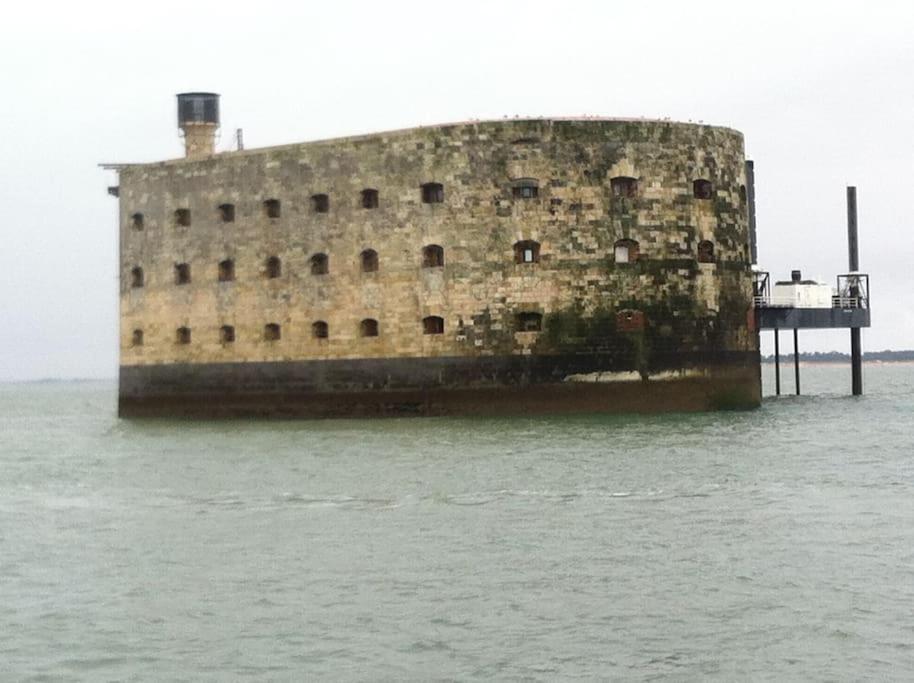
x: 787, y: 318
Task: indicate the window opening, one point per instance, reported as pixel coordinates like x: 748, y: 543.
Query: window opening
x: 526, y: 251
x: 182, y: 273
x: 369, y: 199
x: 624, y: 186
x: 368, y: 328
x: 432, y: 193
x: 432, y: 256
x: 702, y: 189
x: 433, y: 325
x: 529, y: 322
x: 226, y: 270
x: 320, y: 264
x: 271, y: 332
x: 272, y: 208
x: 320, y: 203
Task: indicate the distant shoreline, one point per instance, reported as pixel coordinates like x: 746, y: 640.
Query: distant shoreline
x: 836, y: 357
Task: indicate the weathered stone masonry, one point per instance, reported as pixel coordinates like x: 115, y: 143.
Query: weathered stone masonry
x: 673, y: 318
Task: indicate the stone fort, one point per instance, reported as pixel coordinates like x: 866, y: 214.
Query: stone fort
x: 486, y: 267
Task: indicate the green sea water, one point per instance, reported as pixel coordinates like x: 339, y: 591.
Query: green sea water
x: 776, y: 544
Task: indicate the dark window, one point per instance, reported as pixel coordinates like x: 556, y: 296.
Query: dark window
x: 369, y: 199
x: 136, y: 277
x: 182, y: 217
x: 137, y: 338
x: 368, y: 328
x: 626, y: 251
x: 320, y: 264
x: 137, y: 221
x: 319, y: 330
x: 272, y: 208
x: 525, y: 189
x: 271, y: 332
x: 369, y: 259
x: 273, y: 267
x: 433, y: 193
x: 227, y: 334
x: 320, y: 203
x: 702, y: 189
x: 623, y: 186
x: 182, y: 273
x: 227, y: 213
x: 706, y: 252
x: 527, y: 251
x: 432, y: 256
x: 182, y: 335
x: 529, y: 322
x: 226, y: 270
x: 433, y: 325
x: 742, y: 194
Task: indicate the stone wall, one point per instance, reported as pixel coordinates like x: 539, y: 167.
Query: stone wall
x: 576, y: 218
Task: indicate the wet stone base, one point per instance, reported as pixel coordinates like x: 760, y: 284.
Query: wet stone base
x: 433, y: 386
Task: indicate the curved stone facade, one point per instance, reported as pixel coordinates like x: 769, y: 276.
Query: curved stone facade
x: 528, y: 264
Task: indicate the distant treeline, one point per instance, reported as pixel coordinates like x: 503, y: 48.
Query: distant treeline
x: 838, y: 357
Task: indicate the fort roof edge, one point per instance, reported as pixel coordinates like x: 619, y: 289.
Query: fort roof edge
x: 412, y: 129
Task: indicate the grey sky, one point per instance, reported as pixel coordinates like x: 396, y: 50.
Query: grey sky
x: 823, y: 93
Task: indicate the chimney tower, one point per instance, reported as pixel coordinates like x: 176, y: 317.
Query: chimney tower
x: 198, y: 119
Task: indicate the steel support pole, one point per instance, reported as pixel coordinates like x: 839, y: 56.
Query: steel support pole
x: 777, y: 364
x: 796, y: 359
x: 856, y: 363
x: 853, y: 264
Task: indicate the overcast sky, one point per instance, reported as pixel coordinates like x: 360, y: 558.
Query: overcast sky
x: 824, y: 94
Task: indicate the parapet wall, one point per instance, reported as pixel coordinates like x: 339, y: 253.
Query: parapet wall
x: 642, y: 315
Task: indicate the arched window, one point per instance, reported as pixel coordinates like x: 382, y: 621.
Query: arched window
x: 273, y: 267
x: 432, y: 256
x: 742, y: 194
x: 182, y: 273
x: 369, y: 259
x: 182, y: 217
x: 227, y: 334
x: 433, y: 325
x: 272, y: 208
x: 227, y: 213
x: 432, y: 193
x: 271, y: 332
x: 625, y: 251
x: 137, y: 221
x: 369, y: 199
x: 368, y: 327
x: 320, y: 264
x: 525, y: 188
x: 529, y: 322
x: 624, y: 186
x: 320, y: 330
x: 702, y: 189
x: 137, y: 338
x: 706, y: 251
x: 182, y: 335
x: 320, y: 203
x: 526, y: 251
x: 226, y: 270
x: 136, y: 277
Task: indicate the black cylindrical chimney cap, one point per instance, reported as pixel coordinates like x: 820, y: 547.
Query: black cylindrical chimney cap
x: 198, y: 107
